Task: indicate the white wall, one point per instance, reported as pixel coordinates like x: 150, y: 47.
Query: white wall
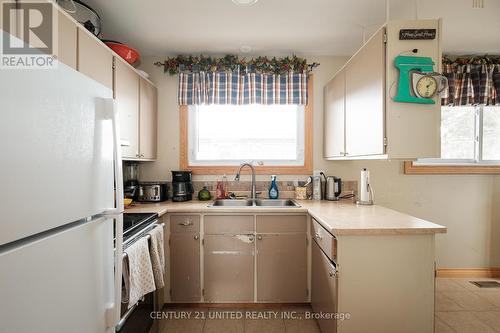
x: 468, y: 205
x: 463, y: 203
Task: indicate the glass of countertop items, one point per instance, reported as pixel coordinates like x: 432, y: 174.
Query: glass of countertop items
x: 301, y: 190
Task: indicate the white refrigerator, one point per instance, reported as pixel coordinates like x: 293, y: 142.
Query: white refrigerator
x: 59, y: 168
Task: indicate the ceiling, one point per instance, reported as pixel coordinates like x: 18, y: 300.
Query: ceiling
x: 312, y: 27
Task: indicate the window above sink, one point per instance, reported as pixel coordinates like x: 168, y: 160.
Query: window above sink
x: 216, y: 139
x: 229, y: 134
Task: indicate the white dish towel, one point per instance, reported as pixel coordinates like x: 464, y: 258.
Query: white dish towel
x: 157, y: 256
x: 137, y: 272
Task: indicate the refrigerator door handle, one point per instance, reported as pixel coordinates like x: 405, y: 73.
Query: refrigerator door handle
x: 116, y: 213
x: 117, y: 158
x: 113, y: 308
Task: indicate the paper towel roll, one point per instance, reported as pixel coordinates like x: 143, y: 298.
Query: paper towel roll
x: 364, y: 189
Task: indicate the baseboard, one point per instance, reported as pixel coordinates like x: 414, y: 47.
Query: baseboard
x: 235, y: 305
x: 493, y: 272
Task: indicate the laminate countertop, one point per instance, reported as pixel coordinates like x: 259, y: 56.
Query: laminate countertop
x: 338, y: 217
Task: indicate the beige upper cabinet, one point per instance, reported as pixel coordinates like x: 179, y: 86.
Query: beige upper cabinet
x: 127, y: 103
x: 364, y: 99
x: 67, y: 42
x: 334, y: 117
x: 136, y: 100
x: 375, y: 125
x: 94, y: 59
x: 148, y: 119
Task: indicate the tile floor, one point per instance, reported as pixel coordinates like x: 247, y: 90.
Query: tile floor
x: 205, y: 320
x: 461, y: 307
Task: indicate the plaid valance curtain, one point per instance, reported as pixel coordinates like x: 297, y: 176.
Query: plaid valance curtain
x: 471, y: 84
x: 236, y: 88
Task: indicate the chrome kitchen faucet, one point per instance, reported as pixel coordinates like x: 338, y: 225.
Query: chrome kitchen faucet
x: 237, y: 178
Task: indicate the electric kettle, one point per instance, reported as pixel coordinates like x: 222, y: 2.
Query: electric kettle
x: 333, y: 187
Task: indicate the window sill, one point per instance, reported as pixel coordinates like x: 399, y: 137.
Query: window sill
x: 411, y: 169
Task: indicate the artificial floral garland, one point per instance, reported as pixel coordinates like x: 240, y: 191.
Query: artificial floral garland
x: 229, y: 63
x: 472, y: 60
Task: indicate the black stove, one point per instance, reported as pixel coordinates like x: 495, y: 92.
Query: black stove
x: 135, y: 222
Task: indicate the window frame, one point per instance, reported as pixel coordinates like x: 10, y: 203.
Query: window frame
x: 305, y: 169
x: 458, y: 166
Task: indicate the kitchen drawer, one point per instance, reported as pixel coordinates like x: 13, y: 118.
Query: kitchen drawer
x: 229, y: 224
x: 184, y: 223
x: 326, y: 241
x: 281, y: 223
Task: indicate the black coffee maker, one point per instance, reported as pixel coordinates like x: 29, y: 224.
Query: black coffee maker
x: 182, y: 188
x: 130, y: 179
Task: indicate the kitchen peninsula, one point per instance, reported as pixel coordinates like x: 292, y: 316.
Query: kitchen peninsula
x: 384, y: 260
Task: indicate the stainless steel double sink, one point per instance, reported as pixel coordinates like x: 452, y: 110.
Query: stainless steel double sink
x: 284, y: 203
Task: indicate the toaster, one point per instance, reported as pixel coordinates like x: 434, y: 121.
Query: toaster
x: 152, y: 191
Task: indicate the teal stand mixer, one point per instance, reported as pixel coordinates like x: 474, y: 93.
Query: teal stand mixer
x: 407, y: 65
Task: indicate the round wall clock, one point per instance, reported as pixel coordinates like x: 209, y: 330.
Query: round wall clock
x: 426, y: 86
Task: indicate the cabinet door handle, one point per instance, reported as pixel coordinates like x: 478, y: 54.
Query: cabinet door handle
x: 317, y: 236
x: 186, y: 223
x: 196, y: 237
x: 259, y: 237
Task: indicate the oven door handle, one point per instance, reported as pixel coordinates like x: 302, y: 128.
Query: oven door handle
x: 125, y: 316
x: 140, y: 232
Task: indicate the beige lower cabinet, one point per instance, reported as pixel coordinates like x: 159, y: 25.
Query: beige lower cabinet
x: 379, y: 283
x: 245, y: 258
x: 229, y: 247
x: 185, y: 284
x: 323, y: 288
x: 228, y: 268
x: 282, y: 267
x: 281, y: 249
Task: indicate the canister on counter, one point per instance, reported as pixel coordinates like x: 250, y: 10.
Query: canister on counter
x: 316, y: 188
x: 301, y: 191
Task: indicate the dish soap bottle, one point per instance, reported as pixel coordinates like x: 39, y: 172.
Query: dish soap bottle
x: 218, y: 190
x: 273, y: 189
x: 224, y: 187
